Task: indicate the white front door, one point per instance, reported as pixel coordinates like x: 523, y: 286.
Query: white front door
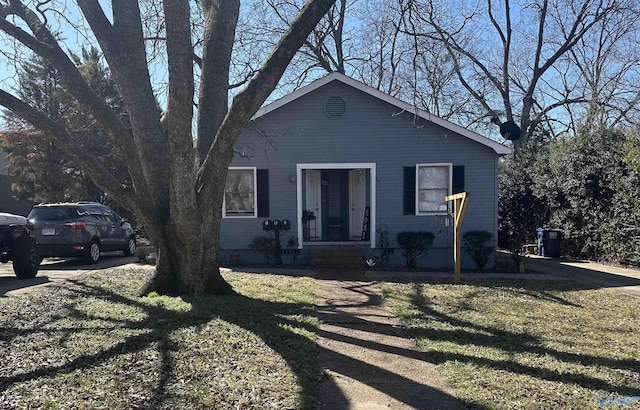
x: 357, y: 202
x: 313, y: 202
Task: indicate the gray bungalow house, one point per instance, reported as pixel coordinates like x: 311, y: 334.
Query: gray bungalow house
x: 360, y: 162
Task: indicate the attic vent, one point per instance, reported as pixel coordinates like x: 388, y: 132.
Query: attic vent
x: 335, y: 107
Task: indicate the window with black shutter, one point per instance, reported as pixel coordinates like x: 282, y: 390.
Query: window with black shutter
x: 432, y: 187
x: 246, y: 193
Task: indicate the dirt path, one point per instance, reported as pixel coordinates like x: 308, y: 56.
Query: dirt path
x: 368, y: 364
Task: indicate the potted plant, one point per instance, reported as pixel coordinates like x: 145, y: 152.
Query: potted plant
x: 234, y: 259
x: 307, y: 217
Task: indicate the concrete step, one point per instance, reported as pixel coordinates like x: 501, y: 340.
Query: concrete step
x: 336, y: 257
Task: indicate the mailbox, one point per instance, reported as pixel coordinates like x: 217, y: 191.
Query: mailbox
x: 276, y: 226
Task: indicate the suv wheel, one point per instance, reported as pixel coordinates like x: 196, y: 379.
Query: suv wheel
x: 131, y: 247
x: 25, y: 258
x: 93, y: 252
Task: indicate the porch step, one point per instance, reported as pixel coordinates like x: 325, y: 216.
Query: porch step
x: 338, y: 258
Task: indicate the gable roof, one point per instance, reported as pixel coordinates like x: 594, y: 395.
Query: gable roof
x: 495, y: 146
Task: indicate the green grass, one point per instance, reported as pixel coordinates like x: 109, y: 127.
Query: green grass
x: 92, y: 344
x: 526, y: 344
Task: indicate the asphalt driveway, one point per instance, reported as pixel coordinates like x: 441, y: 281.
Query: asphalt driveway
x: 593, y: 274
x: 55, y: 270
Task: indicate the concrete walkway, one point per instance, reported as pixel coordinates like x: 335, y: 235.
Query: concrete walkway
x: 368, y: 362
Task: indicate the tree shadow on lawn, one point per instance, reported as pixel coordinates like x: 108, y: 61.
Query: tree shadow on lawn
x: 270, y: 321
x: 8, y: 283
x: 513, y: 343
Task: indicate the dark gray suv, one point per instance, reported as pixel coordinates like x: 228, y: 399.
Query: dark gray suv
x: 81, y: 229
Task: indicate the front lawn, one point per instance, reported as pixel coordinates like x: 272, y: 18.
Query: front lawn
x: 92, y: 344
x: 527, y: 344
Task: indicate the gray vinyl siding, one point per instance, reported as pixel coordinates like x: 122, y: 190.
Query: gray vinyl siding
x: 371, y: 131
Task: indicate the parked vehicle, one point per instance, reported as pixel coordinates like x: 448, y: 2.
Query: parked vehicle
x: 80, y: 229
x: 18, y: 244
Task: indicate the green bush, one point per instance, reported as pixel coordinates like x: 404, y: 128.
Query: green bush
x: 142, y: 255
x: 383, y: 244
x: 476, y: 246
x: 265, y: 245
x: 415, y: 245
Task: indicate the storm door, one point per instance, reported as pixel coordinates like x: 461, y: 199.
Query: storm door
x: 357, y: 201
x: 314, y: 201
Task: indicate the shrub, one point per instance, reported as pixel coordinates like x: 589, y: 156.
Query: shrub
x: 293, y: 244
x: 142, y: 255
x: 415, y: 245
x: 265, y: 245
x: 383, y: 244
x: 476, y: 246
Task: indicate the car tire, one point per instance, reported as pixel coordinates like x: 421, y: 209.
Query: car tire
x: 25, y: 258
x: 131, y: 247
x: 93, y: 252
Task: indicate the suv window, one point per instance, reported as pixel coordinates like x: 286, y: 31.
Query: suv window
x: 112, y: 216
x: 52, y: 214
x: 94, y: 211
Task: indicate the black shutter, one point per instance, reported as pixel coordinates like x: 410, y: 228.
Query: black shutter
x: 457, y: 183
x: 409, y: 197
x: 262, y: 180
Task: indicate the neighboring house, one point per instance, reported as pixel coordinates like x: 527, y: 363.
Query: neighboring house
x: 361, y: 161
x: 8, y: 202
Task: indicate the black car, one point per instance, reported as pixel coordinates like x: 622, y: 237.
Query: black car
x: 80, y: 229
x: 17, y: 244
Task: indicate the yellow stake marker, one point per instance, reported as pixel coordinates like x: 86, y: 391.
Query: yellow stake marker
x: 459, y: 206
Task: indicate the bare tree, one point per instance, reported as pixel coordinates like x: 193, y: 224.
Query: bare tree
x: 175, y: 191
x: 322, y: 52
x: 384, y: 52
x: 364, y: 40
x: 606, y: 61
x: 515, y: 60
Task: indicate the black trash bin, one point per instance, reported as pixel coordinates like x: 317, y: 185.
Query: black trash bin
x: 549, y: 241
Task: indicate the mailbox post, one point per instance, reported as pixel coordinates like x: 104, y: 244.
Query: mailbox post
x: 459, y: 206
x: 276, y: 226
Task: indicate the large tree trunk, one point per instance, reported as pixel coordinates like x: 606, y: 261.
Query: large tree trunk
x: 186, y: 271
x: 187, y: 255
x: 175, y: 193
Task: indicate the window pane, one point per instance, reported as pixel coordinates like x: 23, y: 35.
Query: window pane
x: 238, y: 193
x: 432, y: 200
x: 433, y: 187
x: 433, y: 177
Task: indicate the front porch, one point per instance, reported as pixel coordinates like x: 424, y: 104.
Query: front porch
x: 336, y: 204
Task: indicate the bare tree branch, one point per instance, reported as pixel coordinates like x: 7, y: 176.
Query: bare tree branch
x: 247, y: 102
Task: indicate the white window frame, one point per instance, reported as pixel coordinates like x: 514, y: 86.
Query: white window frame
x: 417, y: 189
x: 255, y: 194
